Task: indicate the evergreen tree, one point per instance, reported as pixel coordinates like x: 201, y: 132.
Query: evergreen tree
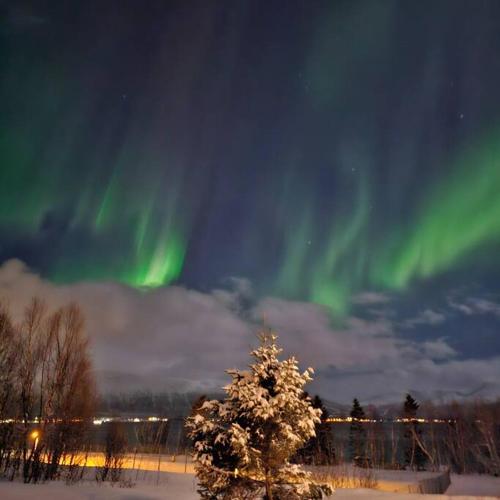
x: 357, y: 434
x: 242, y: 445
x: 414, y: 455
x: 319, y: 449
x: 197, y: 404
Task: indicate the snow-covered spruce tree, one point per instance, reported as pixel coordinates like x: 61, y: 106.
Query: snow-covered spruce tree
x: 242, y: 445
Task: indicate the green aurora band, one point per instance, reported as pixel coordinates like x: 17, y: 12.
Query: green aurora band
x: 461, y: 214
x: 112, y: 169
x: 151, y: 233
x: 455, y: 217
x: 326, y: 265
x: 112, y: 198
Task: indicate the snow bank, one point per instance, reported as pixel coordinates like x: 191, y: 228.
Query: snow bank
x: 151, y: 485
x: 181, y: 487
x: 474, y: 484
x: 170, y: 487
x: 428, y: 483
x: 349, y: 476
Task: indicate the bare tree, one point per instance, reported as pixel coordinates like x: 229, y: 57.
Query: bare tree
x: 9, y: 360
x: 486, y: 448
x: 394, y: 462
x: 69, y: 385
x: 114, y: 454
x: 29, y: 336
x: 46, y: 388
x: 375, y: 439
x: 459, y: 434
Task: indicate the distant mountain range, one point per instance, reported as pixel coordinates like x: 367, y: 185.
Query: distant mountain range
x: 171, y: 397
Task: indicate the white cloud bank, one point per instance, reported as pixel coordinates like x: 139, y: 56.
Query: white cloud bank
x: 173, y: 338
x: 426, y: 317
x: 474, y: 305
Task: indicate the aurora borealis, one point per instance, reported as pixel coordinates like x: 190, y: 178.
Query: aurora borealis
x: 319, y: 149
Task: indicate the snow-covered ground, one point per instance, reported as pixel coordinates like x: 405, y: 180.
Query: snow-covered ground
x: 174, y: 486
x: 170, y: 487
x: 474, y: 485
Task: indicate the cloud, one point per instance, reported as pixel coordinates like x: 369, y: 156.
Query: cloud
x: 475, y: 305
x: 158, y: 336
x: 438, y: 349
x: 306, y: 331
x: 483, y: 306
x: 463, y: 308
x: 179, y: 339
x: 369, y: 298
x: 426, y: 317
x: 426, y: 377
x: 238, y: 294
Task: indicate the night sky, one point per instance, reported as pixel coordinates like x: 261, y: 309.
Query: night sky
x: 188, y: 170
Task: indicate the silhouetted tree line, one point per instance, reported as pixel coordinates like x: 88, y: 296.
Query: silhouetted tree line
x: 319, y: 449
x: 464, y: 437
x: 47, y: 391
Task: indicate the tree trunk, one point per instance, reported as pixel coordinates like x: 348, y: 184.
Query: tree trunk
x: 269, y: 492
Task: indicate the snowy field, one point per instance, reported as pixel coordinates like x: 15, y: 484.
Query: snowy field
x: 175, y: 486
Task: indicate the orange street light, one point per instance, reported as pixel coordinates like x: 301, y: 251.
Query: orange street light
x: 35, y: 436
